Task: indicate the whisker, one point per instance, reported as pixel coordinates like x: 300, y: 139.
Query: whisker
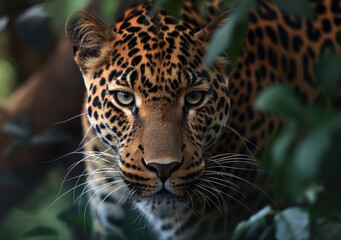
x: 205, y: 188
x: 230, y: 196
x: 179, y: 224
x: 209, y: 172
x: 70, y: 169
x: 226, y: 166
x: 97, y: 171
x: 93, y: 195
x: 69, y: 190
x: 223, y: 201
x: 85, y: 135
x: 246, y: 159
x: 69, y: 119
x: 111, y: 192
x: 233, y: 161
x: 74, y: 152
x: 124, y: 196
x: 238, y: 190
x: 94, y: 160
x: 191, y: 199
x: 244, y: 140
x: 206, y: 197
x: 229, y: 154
x: 89, y: 190
x: 202, y: 197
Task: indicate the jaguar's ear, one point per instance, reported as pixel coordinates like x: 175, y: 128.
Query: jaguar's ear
x: 206, y: 33
x: 88, y: 36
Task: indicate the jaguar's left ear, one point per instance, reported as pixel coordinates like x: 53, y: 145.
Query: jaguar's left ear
x: 88, y: 36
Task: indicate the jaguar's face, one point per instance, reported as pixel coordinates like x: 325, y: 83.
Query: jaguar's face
x: 154, y: 102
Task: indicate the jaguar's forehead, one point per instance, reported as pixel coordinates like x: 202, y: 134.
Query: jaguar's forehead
x: 161, y: 42
x: 156, y: 57
x: 154, y: 53
x: 144, y: 18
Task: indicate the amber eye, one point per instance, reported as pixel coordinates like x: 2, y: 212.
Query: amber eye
x: 124, y: 98
x: 195, y: 98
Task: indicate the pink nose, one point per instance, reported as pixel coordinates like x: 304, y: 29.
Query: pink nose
x: 163, y: 171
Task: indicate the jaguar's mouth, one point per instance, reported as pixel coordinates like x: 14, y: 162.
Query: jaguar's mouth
x: 166, y: 195
x: 162, y: 204
x: 161, y: 196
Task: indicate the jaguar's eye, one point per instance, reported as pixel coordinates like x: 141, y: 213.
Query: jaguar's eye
x: 195, y: 98
x: 124, y: 98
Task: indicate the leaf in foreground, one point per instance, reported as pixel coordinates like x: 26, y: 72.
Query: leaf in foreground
x: 299, y: 8
x: 244, y: 227
x: 32, y: 219
x: 281, y: 100
x: 230, y: 35
x: 292, y: 224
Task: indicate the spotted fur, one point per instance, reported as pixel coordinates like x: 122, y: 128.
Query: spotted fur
x: 157, y: 151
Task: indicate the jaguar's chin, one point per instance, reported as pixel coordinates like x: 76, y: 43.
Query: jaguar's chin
x: 163, y: 204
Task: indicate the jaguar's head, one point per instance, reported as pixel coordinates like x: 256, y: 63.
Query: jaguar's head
x: 152, y: 100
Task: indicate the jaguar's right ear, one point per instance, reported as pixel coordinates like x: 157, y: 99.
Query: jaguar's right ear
x: 88, y: 36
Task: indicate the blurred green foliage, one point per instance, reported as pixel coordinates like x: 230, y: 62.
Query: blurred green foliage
x: 7, y: 79
x: 229, y: 37
x: 108, y: 7
x: 297, y: 8
x: 36, y: 25
x: 34, y: 219
x: 20, y: 129
x: 33, y: 26
x: 304, y: 159
x: 304, y: 156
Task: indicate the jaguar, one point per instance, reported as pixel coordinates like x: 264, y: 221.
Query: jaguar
x: 175, y: 137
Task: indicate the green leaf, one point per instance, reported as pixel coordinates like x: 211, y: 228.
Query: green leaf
x: 244, y: 227
x: 327, y: 230
x: 74, y: 215
x: 3, y: 23
x: 299, y: 8
x: 34, y: 214
x: 311, y: 150
x: 173, y: 7
x: 229, y: 4
x: 292, y: 224
x: 330, y: 172
x: 8, y: 76
x: 33, y: 27
x: 40, y: 231
x: 12, y: 148
x: 328, y: 73
x: 52, y: 135
x: 312, y: 192
x: 230, y: 35
x: 18, y: 127
x: 281, y: 100
x: 281, y: 145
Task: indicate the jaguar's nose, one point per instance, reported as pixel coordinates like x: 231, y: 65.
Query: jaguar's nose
x: 163, y: 171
